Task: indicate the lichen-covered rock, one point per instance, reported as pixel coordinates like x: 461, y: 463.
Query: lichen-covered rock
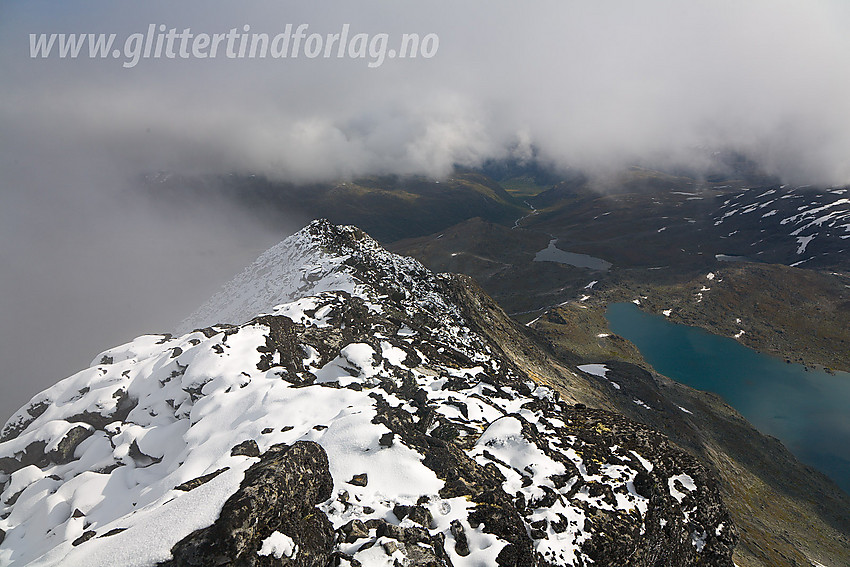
x: 278, y: 494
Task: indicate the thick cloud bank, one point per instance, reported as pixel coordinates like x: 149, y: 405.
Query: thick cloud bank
x: 590, y: 84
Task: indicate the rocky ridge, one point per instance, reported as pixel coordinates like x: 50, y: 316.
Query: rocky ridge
x: 365, y: 420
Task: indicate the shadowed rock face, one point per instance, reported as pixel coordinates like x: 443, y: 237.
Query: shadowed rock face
x: 391, y: 422
x: 279, y: 494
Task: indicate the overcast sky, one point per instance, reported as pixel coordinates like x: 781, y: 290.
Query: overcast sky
x: 86, y: 264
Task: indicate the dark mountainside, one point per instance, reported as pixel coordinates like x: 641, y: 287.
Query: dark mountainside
x: 388, y: 208
x: 798, y: 314
x: 787, y: 513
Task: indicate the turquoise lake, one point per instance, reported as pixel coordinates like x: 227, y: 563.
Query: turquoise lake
x: 809, y: 411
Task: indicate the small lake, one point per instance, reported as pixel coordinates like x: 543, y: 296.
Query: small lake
x: 554, y: 254
x: 731, y: 258
x: 809, y: 411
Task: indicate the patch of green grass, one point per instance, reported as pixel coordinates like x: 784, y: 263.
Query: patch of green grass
x: 522, y: 187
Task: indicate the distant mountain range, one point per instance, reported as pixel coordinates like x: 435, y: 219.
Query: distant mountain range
x: 639, y: 218
x: 389, y: 207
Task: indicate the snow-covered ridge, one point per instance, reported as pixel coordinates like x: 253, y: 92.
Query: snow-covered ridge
x: 320, y: 257
x: 437, y: 448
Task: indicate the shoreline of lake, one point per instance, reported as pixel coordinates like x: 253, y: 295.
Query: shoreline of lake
x: 806, y: 409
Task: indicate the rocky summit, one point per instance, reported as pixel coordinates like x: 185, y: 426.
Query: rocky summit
x: 340, y: 405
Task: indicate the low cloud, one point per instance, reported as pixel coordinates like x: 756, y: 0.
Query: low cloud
x: 590, y: 85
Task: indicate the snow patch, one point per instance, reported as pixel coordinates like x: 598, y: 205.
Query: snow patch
x: 279, y: 545
x: 594, y: 369
x: 685, y: 481
x: 803, y: 242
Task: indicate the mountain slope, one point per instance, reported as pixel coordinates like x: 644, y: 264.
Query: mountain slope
x: 316, y: 259
x: 646, y: 219
x: 367, y: 421
x: 388, y: 207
